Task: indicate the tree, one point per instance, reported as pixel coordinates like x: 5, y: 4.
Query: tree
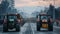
x: 50, y: 10
x: 57, y: 13
x: 4, y: 6
x: 7, y: 6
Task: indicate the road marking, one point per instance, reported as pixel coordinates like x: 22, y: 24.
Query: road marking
x: 24, y: 28
x: 32, y: 29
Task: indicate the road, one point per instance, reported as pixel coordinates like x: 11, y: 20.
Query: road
x: 30, y: 28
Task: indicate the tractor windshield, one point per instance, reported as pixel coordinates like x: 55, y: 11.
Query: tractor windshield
x: 43, y: 17
x: 11, y: 18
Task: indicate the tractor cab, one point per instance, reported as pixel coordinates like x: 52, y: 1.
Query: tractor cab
x: 11, y: 21
x: 44, y: 22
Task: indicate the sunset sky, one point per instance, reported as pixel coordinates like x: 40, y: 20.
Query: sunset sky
x: 21, y: 3
x: 0, y: 1
x: 30, y: 6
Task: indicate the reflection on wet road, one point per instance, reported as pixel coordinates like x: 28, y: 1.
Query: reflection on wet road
x: 30, y: 28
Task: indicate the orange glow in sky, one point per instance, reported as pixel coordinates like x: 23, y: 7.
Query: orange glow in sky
x: 21, y: 3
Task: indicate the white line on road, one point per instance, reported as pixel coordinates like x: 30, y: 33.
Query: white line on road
x: 24, y: 28
x: 32, y: 29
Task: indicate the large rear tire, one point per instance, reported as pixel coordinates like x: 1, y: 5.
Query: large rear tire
x: 17, y: 28
x: 50, y: 28
x: 5, y: 29
x: 38, y: 28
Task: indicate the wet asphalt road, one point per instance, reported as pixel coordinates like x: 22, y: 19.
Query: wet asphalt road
x: 30, y: 28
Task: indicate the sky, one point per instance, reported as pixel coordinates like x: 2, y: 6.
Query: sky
x: 0, y: 1
x: 21, y: 3
x: 29, y: 6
